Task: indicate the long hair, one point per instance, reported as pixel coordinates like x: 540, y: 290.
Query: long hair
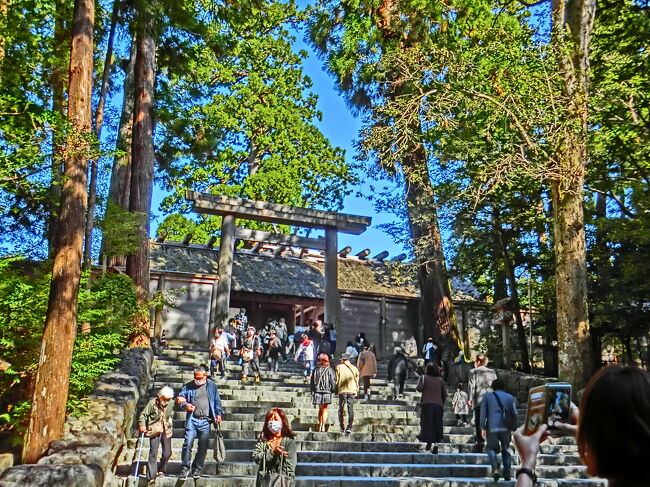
x: 614, y: 424
x: 286, y: 427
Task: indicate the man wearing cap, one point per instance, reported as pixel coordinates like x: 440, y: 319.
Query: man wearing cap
x: 347, y: 388
x: 155, y: 422
x: 200, y: 398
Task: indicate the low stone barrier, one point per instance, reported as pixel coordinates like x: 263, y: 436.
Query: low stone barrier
x: 86, y: 454
x: 517, y: 383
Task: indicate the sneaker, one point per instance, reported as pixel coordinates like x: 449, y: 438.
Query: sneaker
x: 152, y: 482
x: 348, y: 430
x: 257, y: 378
x: 185, y: 472
x: 196, y: 475
x: 496, y: 474
x: 244, y: 379
x: 342, y: 430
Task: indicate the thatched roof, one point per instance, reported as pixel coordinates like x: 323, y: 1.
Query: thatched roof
x: 290, y: 276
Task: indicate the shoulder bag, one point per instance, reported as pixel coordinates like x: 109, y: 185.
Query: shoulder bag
x: 273, y: 479
x: 219, y: 451
x: 509, y: 420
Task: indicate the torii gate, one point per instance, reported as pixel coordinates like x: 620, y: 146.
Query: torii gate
x: 230, y: 208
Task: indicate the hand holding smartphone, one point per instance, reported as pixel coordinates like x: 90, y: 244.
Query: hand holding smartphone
x: 548, y: 404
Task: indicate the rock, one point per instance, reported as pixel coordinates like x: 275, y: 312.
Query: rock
x: 6, y: 461
x: 42, y: 475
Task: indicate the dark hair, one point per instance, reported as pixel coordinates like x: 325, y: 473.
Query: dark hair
x: 432, y: 369
x: 286, y: 427
x: 614, y: 424
x: 459, y: 386
x: 498, y: 385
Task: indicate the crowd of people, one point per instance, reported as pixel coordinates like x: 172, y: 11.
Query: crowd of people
x: 615, y: 405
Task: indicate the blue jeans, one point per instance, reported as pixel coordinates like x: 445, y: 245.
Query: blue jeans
x: 218, y: 363
x: 195, y: 428
x: 499, y: 440
x: 310, y: 365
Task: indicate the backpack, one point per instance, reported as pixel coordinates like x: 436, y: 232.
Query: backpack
x: 509, y: 419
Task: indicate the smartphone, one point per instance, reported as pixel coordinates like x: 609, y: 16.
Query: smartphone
x: 548, y: 404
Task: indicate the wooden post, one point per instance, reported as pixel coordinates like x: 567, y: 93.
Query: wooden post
x: 382, y: 326
x: 157, y: 320
x: 226, y: 256
x: 332, y: 298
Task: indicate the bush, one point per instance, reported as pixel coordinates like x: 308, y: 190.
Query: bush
x: 108, y: 308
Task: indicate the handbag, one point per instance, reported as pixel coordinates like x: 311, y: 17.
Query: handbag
x: 155, y: 429
x: 273, y: 479
x: 247, y: 356
x: 219, y: 451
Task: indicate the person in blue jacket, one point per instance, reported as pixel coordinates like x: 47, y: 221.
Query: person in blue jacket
x: 494, y: 429
x: 200, y: 398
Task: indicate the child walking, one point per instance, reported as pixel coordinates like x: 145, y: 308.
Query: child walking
x: 461, y: 405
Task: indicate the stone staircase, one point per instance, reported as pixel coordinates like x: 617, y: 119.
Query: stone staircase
x: 382, y: 451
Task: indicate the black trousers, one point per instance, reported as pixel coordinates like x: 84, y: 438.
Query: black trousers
x: 346, y: 400
x: 153, y: 466
x: 477, y: 425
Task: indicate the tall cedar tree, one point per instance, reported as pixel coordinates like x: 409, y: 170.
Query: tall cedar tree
x: 53, y: 374
x: 572, y: 26
x: 137, y: 264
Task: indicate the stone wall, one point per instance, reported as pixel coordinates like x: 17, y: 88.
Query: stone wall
x: 518, y: 384
x: 91, y: 443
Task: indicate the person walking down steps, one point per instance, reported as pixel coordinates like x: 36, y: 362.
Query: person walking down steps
x: 306, y: 352
x: 251, y: 349
x: 200, y: 398
x: 155, y: 422
x: 323, y: 386
x: 347, y: 388
x: 275, y: 452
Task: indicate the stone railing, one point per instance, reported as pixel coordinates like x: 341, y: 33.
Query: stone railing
x: 517, y: 383
x: 86, y: 454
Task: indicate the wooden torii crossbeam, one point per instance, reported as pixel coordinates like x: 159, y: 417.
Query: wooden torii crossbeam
x: 230, y: 208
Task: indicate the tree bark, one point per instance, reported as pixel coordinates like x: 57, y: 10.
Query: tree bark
x: 99, y: 121
x: 572, y: 26
x: 58, y: 81
x: 53, y: 374
x: 4, y: 10
x: 137, y: 265
x: 436, y: 307
x: 508, y: 266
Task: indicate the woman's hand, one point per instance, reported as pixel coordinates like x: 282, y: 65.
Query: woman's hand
x: 528, y: 445
x: 279, y: 450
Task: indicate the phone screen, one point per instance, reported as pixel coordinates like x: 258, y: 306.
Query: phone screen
x: 548, y: 404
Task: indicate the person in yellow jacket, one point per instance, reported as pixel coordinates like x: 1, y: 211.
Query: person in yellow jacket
x: 347, y: 388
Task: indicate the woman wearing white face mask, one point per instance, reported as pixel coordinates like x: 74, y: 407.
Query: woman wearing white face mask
x: 156, y: 422
x: 275, y: 451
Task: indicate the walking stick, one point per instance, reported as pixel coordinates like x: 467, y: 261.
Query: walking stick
x: 137, y: 463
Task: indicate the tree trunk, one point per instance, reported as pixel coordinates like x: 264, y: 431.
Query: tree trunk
x: 120, y: 186
x: 4, y: 10
x: 572, y: 25
x: 436, y: 307
x: 99, y: 120
x: 53, y: 373
x: 508, y: 266
x: 137, y: 265
x: 58, y: 81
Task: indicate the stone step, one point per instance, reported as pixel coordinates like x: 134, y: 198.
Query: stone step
x: 346, y: 481
x: 432, y: 470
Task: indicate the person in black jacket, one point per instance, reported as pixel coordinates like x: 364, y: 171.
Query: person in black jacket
x: 397, y: 370
x: 323, y: 388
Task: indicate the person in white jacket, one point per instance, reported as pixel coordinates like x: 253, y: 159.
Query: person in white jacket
x: 306, y: 351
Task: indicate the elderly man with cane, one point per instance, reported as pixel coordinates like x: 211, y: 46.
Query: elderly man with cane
x: 155, y: 422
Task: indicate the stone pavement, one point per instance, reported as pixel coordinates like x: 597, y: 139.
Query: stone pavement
x: 382, y: 450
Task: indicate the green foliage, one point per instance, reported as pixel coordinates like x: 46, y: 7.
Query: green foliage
x: 108, y: 307
x: 236, y: 115
x: 120, y: 229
